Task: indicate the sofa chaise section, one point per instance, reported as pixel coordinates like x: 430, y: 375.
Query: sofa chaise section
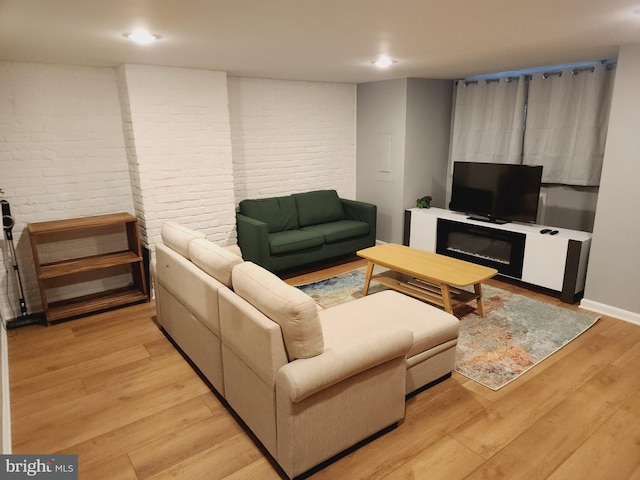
x: 432, y: 355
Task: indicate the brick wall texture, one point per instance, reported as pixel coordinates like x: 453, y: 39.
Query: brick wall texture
x: 161, y: 143
x: 291, y: 137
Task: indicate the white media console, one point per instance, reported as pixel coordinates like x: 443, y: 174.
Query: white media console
x: 556, y: 261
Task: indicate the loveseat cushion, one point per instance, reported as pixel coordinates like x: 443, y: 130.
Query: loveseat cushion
x: 279, y: 213
x: 213, y: 259
x: 293, y: 241
x: 320, y: 206
x: 177, y: 237
x: 340, y: 230
x: 289, y: 307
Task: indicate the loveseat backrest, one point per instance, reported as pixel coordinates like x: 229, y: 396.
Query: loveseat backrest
x: 279, y: 213
x: 318, y: 206
x: 296, y: 210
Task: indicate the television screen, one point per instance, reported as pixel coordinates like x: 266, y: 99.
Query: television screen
x: 496, y: 192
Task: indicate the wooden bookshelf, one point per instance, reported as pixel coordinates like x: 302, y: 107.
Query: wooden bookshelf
x: 70, y: 270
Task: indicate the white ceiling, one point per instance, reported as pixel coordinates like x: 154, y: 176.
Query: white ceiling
x: 321, y: 40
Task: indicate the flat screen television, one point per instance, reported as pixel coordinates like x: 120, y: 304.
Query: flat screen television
x: 496, y: 192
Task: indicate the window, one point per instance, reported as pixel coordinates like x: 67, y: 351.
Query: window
x: 553, y: 117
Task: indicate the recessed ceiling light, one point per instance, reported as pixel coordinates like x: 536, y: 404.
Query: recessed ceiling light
x: 141, y: 36
x: 383, y: 61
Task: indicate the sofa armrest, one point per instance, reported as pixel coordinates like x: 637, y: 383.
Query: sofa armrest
x: 362, y: 211
x: 304, y: 377
x: 253, y: 240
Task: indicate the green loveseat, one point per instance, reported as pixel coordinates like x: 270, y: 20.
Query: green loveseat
x: 281, y: 233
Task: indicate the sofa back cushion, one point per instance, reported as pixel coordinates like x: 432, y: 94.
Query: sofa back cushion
x: 320, y: 206
x: 188, y: 285
x: 178, y: 237
x: 279, y: 213
x: 213, y: 259
x: 293, y: 310
x: 235, y: 249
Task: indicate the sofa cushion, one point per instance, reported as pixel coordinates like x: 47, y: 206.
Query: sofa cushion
x: 235, y: 249
x: 213, y: 259
x: 293, y: 310
x: 320, y: 206
x: 293, y: 241
x: 340, y: 230
x: 178, y: 237
x: 279, y: 213
x: 430, y: 325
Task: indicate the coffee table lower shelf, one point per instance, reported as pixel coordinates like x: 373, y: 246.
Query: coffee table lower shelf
x: 424, y: 290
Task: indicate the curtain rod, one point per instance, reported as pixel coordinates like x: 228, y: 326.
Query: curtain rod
x: 558, y: 73
x: 490, y: 80
x: 590, y: 69
x: 608, y: 63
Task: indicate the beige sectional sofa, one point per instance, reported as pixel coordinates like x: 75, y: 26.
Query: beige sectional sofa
x: 309, y: 383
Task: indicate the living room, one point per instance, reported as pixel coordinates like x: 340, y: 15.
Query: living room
x: 197, y: 141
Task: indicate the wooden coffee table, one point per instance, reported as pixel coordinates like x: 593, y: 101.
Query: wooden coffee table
x: 431, y: 277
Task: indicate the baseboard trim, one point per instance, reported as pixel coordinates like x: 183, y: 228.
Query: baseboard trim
x: 5, y: 440
x: 610, y: 311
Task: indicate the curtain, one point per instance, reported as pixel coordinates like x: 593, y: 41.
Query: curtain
x: 488, y: 121
x: 566, y: 124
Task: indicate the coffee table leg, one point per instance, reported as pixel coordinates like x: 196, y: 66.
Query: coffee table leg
x: 479, y: 306
x: 446, y: 297
x: 367, y: 279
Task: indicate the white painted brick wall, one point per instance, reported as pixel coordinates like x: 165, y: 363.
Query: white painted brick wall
x: 291, y: 136
x: 62, y: 155
x: 165, y: 143
x: 179, y: 146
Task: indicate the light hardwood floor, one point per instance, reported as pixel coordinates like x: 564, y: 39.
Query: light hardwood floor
x: 112, y: 389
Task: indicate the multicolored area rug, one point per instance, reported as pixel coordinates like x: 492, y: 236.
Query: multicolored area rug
x: 517, y: 332
x: 340, y: 289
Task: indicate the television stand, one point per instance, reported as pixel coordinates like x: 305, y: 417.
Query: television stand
x: 516, y: 250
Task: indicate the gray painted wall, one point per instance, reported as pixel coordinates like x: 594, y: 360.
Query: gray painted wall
x: 402, y: 147
x: 569, y: 207
x: 380, y: 148
x: 613, y: 276
x: 429, y: 104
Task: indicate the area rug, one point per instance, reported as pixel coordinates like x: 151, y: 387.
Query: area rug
x: 517, y: 332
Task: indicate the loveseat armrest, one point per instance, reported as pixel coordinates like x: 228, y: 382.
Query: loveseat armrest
x: 304, y: 377
x: 362, y: 211
x: 253, y: 240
